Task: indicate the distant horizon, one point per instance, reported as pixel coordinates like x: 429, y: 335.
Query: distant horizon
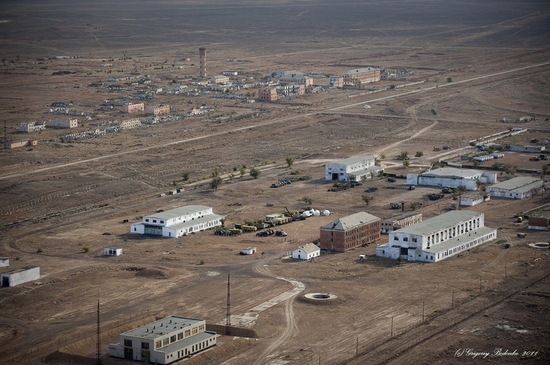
x: 36, y: 28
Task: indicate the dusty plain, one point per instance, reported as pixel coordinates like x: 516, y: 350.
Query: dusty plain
x: 60, y: 197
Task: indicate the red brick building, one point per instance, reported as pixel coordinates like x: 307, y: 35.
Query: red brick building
x: 267, y: 94
x: 349, y: 232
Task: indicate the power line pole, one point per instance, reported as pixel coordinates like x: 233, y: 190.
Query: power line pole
x: 98, y: 353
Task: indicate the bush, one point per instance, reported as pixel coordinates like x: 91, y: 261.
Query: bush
x: 39, y: 250
x: 202, y: 262
x: 86, y: 249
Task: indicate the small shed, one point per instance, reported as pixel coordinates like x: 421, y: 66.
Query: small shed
x: 112, y: 251
x: 306, y: 252
x: 248, y: 251
x: 4, y: 261
x: 20, y: 276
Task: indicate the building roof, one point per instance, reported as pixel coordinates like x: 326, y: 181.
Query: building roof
x: 452, y: 172
x: 186, y: 342
x: 438, y: 222
x: 162, y: 327
x: 401, y: 216
x: 360, y: 70
x: 456, y: 241
x: 177, y: 212
x: 351, y: 221
x: 518, y: 182
x: 540, y: 214
x: 22, y: 269
x: 205, y: 219
x: 309, y: 248
x: 353, y: 160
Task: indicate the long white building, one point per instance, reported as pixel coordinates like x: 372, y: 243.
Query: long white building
x: 520, y: 187
x: 164, y: 341
x: 178, y: 222
x: 354, y: 168
x: 438, y: 238
x: 452, y: 177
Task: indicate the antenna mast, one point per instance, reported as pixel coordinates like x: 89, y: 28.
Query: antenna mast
x: 228, y: 313
x: 98, y: 353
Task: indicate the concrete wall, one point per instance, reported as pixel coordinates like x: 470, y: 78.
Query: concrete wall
x: 21, y: 276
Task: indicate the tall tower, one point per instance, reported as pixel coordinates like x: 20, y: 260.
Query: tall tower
x: 202, y: 54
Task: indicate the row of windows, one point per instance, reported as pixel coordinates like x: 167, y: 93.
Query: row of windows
x: 178, y: 336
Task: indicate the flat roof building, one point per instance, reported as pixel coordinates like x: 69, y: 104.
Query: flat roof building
x: 363, y: 75
x: 178, y: 222
x: 20, y: 276
x: 349, y: 232
x: 164, y: 341
x: 438, y: 238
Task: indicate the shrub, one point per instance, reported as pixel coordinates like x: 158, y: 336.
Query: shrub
x: 86, y: 249
x: 39, y: 250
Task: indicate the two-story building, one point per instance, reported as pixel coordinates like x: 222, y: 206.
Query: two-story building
x: 349, y: 232
x: 438, y: 238
x: 178, y: 222
x: 164, y: 341
x: 355, y: 168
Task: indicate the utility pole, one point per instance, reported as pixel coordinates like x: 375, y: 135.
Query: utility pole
x: 98, y: 353
x: 453, y: 299
x: 391, y: 330
x: 422, y: 312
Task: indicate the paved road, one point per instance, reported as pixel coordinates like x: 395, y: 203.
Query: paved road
x: 281, y: 120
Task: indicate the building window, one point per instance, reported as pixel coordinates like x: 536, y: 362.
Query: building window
x: 187, y: 333
x: 166, y: 341
x: 158, y: 344
x: 154, y: 221
x: 145, y: 345
x: 180, y: 336
x: 395, y: 238
x: 173, y: 338
x: 405, y: 239
x: 128, y: 343
x: 146, y: 220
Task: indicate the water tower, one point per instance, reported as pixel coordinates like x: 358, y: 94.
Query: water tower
x: 202, y: 54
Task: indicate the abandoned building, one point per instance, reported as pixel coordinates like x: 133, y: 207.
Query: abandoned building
x: 20, y: 276
x: 399, y: 221
x: 178, y: 222
x: 349, y: 232
x: 164, y: 341
x: 438, y: 238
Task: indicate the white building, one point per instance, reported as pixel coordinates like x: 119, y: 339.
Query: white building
x: 178, y: 222
x: 219, y: 79
x: 164, y: 341
x: 474, y: 198
x: 248, y: 251
x: 355, y: 168
x: 295, y: 78
x: 438, y: 238
x: 306, y: 252
x: 130, y: 123
x: 452, y: 177
x: 520, y: 187
x: 112, y: 251
x: 4, y: 261
x: 20, y: 276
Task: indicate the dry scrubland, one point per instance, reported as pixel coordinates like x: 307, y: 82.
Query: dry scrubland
x: 59, y: 209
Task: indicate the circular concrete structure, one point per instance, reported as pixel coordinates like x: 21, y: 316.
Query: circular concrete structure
x: 321, y: 298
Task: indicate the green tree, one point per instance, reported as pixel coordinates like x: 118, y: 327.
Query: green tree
x: 307, y: 200
x: 185, y: 176
x: 419, y: 154
x: 449, y: 79
x: 216, y: 181
x: 406, y: 163
x: 215, y: 172
x: 254, y: 172
x: 403, y: 155
x: 242, y: 170
x: 289, y: 161
x: 545, y: 169
x: 367, y: 198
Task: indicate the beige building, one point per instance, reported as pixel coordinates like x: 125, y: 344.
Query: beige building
x: 133, y: 108
x: 130, y: 123
x: 267, y: 94
x: 364, y: 75
x: 295, y: 78
x: 157, y: 110
x: 400, y: 221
